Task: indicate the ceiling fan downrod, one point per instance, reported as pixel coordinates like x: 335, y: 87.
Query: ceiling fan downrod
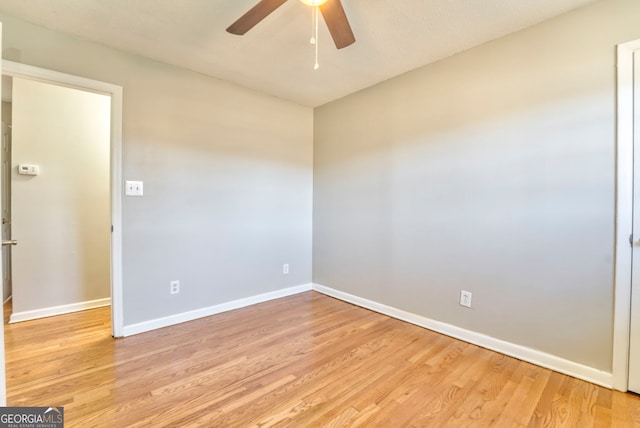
x: 314, y: 34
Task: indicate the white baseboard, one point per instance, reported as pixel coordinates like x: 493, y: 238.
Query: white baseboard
x: 212, y: 310
x: 523, y: 353
x: 58, y: 310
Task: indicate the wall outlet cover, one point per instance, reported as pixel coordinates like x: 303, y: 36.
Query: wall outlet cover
x: 174, y: 287
x: 465, y: 298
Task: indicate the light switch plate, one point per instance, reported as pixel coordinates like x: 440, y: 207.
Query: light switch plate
x: 134, y: 188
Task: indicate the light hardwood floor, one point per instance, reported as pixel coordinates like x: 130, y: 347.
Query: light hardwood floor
x: 302, y: 361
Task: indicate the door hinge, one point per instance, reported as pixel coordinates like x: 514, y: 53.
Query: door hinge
x: 631, y: 239
x: 111, y: 228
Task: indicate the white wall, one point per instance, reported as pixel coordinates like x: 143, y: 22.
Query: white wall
x: 491, y: 171
x: 227, y: 177
x: 61, y: 217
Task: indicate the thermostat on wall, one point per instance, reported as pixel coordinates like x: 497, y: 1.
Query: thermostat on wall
x: 26, y: 169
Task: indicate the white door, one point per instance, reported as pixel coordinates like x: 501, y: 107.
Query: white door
x: 634, y: 350
x: 3, y: 392
x: 5, y: 190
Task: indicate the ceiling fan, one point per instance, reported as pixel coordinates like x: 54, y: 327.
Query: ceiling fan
x: 332, y: 12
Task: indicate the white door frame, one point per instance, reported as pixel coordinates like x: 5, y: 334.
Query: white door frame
x: 14, y: 69
x: 624, y: 216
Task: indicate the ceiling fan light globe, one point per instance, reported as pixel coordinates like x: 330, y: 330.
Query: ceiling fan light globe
x: 314, y: 2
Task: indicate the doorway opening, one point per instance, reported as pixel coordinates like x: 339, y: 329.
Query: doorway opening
x: 76, y: 231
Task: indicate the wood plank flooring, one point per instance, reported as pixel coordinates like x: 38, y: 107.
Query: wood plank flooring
x: 302, y: 361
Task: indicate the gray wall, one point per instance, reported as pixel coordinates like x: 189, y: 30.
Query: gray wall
x: 227, y: 175
x: 491, y: 171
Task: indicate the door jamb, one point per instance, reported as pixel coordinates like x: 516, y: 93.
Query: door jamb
x: 15, y: 69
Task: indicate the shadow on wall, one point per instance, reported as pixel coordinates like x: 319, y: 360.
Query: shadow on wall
x: 491, y: 171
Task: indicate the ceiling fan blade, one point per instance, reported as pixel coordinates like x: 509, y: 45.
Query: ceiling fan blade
x: 256, y: 14
x: 338, y: 24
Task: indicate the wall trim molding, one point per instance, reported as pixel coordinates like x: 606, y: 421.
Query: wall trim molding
x: 145, y: 326
x: 520, y: 352
x: 58, y: 310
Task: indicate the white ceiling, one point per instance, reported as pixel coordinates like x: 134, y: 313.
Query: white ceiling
x: 275, y: 57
